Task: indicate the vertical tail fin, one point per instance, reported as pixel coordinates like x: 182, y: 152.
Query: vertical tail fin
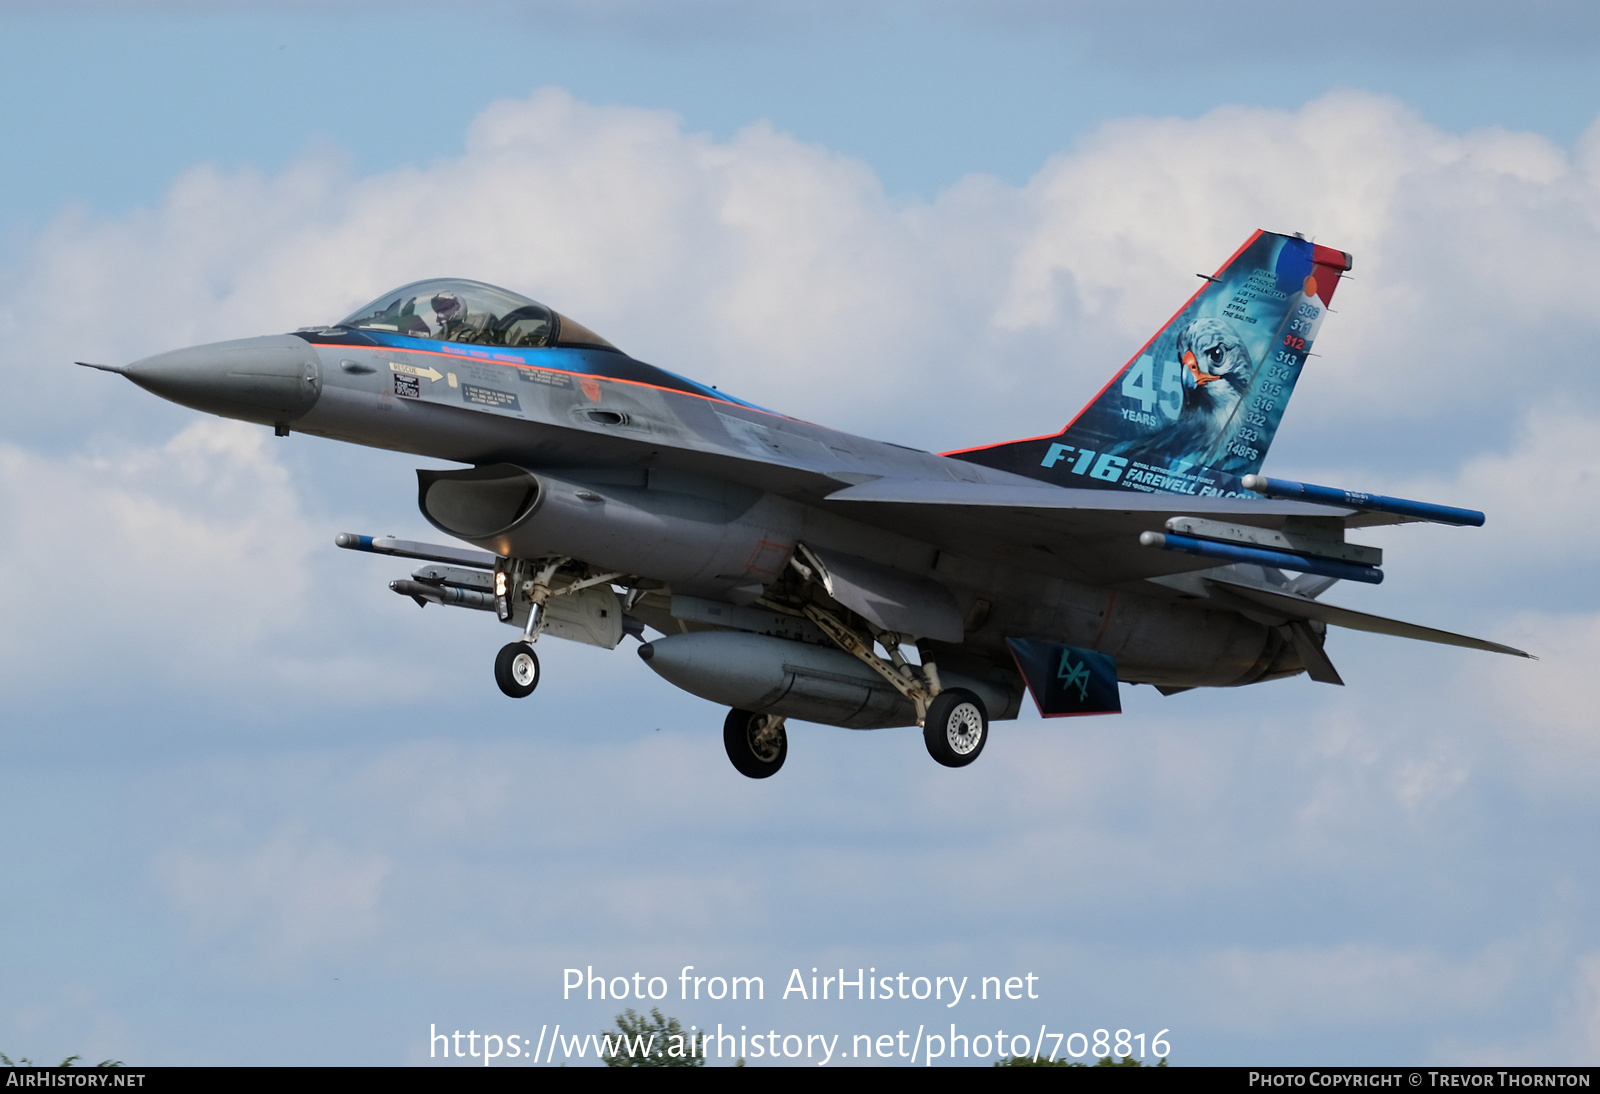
x: 1197, y: 406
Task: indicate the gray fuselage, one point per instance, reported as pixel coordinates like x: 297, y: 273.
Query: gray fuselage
x: 647, y: 474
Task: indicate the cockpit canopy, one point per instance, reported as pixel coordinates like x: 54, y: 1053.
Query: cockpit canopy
x: 455, y: 310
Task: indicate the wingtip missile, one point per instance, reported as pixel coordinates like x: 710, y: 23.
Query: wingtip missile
x: 1354, y: 499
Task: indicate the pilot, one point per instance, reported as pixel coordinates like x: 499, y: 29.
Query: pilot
x: 452, y: 317
x: 458, y: 323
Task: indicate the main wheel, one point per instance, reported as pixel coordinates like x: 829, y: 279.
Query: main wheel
x: 756, y: 743
x: 956, y: 728
x: 516, y: 670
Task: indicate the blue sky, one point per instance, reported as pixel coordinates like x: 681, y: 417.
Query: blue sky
x: 264, y: 811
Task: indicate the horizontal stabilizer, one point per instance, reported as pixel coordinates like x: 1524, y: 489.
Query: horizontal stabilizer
x: 1066, y: 680
x: 1294, y: 607
x: 409, y: 548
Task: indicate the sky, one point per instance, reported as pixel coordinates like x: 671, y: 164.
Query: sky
x: 259, y: 810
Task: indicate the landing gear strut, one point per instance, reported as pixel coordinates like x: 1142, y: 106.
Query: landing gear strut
x: 516, y: 670
x: 516, y: 667
x: 756, y: 743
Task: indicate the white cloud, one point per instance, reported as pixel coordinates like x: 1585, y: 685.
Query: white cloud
x: 1541, y: 495
x: 151, y: 543
x: 1467, y: 248
x: 1548, y: 713
x: 1545, y: 492
x: 190, y: 565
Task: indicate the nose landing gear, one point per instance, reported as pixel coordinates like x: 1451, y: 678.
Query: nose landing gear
x: 516, y: 670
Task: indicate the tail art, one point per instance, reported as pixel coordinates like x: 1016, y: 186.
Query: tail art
x: 1196, y: 408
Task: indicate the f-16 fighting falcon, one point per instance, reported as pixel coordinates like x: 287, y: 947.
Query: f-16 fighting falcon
x: 791, y: 571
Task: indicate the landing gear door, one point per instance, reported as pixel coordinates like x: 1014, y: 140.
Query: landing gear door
x: 891, y: 599
x: 592, y: 616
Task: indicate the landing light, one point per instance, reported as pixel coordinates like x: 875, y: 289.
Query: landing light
x: 502, y: 594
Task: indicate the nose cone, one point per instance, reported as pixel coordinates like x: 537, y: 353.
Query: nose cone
x: 267, y: 380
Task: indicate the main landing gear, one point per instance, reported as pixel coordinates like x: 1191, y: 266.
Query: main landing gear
x: 756, y: 743
x: 516, y: 670
x: 955, y: 730
x: 956, y: 727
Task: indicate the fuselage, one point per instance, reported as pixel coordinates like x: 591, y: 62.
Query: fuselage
x: 647, y: 473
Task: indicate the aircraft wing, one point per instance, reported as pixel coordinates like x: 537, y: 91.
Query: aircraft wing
x: 1090, y: 536
x: 984, y: 495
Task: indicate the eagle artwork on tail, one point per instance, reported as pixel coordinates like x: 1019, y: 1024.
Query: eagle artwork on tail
x: 1215, y: 377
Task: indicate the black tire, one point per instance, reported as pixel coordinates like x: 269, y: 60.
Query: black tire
x: 516, y: 670
x: 956, y: 728
x: 755, y: 751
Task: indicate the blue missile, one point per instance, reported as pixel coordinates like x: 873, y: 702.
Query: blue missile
x: 1262, y: 556
x: 1352, y: 499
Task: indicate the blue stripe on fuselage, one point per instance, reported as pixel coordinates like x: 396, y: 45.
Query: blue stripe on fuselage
x: 599, y: 363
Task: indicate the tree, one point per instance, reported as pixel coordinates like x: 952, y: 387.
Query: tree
x: 25, y: 1062
x: 1109, y: 1061
x: 656, y: 1041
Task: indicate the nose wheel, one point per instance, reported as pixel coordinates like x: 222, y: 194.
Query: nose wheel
x: 756, y: 743
x: 516, y: 670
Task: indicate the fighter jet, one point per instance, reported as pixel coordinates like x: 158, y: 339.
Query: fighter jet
x: 786, y: 570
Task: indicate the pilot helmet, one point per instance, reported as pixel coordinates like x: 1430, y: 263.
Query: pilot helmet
x: 448, y: 307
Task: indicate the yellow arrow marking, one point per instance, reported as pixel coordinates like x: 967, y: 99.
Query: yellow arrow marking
x: 430, y: 372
